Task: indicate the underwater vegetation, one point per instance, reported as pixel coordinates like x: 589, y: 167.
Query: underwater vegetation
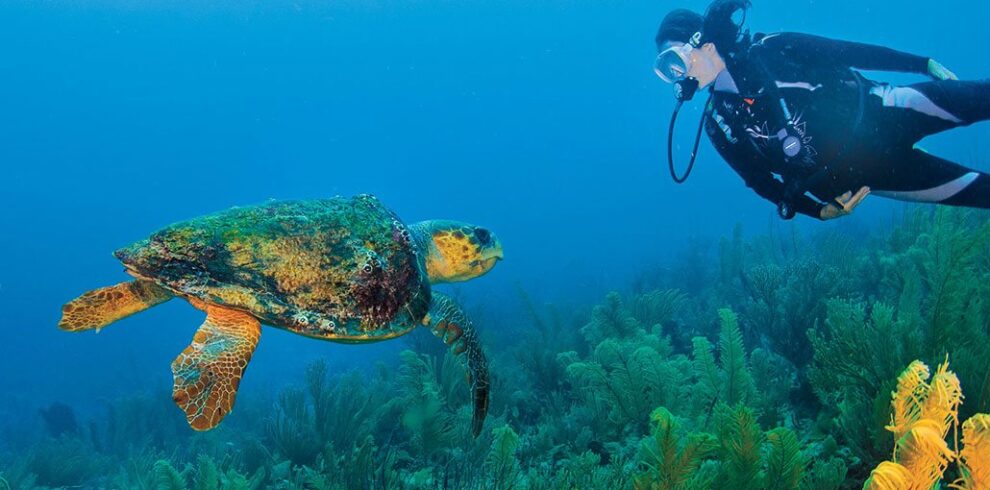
x: 765, y: 362
x: 923, y: 413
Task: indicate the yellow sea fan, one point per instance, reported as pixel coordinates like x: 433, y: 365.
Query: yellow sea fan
x: 888, y: 476
x: 925, y: 454
x: 944, y: 397
x: 974, y: 459
x: 906, y: 402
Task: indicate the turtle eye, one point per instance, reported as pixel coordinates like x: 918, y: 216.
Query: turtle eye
x: 484, y: 236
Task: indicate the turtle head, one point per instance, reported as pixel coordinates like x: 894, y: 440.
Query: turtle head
x: 456, y: 251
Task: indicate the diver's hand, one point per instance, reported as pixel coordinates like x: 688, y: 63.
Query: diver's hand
x: 939, y: 72
x: 849, y: 201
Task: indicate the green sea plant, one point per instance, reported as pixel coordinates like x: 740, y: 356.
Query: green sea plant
x: 610, y: 320
x: 64, y: 462
x: 501, y: 462
x: 786, y: 463
x: 739, y: 455
x: 136, y: 421
x: 169, y: 478
x: 292, y: 428
x: 205, y: 475
x: 658, y: 307
x: 727, y: 380
x: 740, y: 440
x: 825, y: 474
x: 426, y: 416
x: 536, y: 354
x: 627, y: 378
x: 338, y: 411
x: 950, y: 261
x: 673, y: 462
x: 856, y: 357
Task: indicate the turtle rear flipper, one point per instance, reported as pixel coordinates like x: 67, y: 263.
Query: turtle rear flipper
x: 101, y: 307
x: 447, y: 321
x: 208, y: 372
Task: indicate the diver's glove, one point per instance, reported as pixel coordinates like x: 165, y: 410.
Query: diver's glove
x: 939, y: 72
x: 848, y: 201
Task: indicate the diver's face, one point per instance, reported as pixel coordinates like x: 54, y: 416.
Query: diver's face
x: 679, y: 61
x: 706, y: 64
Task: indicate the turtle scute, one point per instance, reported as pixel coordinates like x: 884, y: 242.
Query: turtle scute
x: 333, y: 268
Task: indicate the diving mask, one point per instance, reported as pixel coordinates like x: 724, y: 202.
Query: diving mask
x: 674, y: 63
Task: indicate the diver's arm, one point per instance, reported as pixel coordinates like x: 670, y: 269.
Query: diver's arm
x: 771, y: 189
x: 852, y: 54
x: 748, y: 164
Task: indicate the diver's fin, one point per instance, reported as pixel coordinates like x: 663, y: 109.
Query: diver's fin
x: 208, y: 372
x: 447, y: 321
x: 101, y: 307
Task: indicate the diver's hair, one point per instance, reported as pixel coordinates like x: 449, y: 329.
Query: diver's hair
x: 720, y: 29
x: 678, y: 26
x: 717, y: 26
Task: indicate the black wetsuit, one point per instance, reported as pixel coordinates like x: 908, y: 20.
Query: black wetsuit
x: 861, y: 131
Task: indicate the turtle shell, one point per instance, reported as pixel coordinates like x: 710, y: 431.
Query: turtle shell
x: 341, y: 269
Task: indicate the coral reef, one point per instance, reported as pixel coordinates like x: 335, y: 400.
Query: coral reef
x: 762, y: 363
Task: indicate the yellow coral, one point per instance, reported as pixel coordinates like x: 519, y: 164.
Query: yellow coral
x: 924, y: 453
x: 888, y: 476
x: 944, y: 397
x: 974, y: 459
x: 922, y: 414
x: 906, y: 402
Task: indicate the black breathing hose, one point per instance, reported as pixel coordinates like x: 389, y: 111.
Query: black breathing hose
x: 697, y: 141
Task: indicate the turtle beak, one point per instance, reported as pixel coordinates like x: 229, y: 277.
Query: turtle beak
x: 493, y: 251
x: 490, y: 254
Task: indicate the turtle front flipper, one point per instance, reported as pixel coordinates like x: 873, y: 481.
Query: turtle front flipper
x: 101, y: 307
x: 208, y: 372
x: 447, y: 321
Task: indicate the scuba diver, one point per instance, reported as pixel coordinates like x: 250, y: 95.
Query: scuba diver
x: 795, y: 106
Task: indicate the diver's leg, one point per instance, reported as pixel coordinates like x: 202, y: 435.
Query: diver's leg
x: 927, y: 108
x: 921, y: 177
x: 968, y: 101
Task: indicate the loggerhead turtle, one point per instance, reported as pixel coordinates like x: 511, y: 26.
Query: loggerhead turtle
x: 340, y: 269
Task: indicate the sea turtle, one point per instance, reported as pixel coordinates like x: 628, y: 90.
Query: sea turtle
x: 340, y: 269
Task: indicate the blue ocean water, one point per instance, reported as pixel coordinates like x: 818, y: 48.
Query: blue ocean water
x: 540, y: 120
